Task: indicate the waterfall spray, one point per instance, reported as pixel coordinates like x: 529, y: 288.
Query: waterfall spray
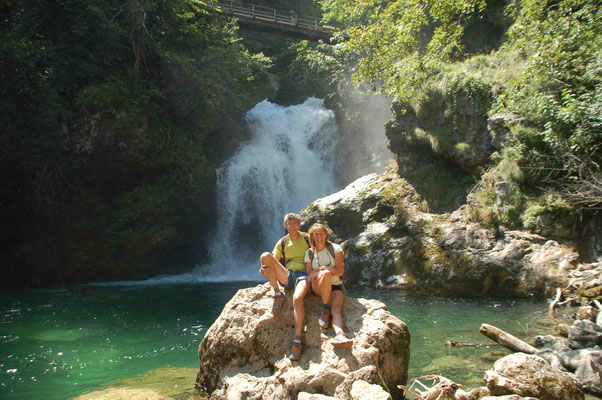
x: 286, y: 165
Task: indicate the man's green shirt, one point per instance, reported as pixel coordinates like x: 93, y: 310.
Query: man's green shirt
x: 294, y: 251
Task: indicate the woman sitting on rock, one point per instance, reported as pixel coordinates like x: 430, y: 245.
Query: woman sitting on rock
x: 325, y: 264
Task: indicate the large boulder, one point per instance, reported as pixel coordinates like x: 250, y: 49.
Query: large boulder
x: 583, y: 334
x: 531, y: 376
x: 245, y: 352
x: 390, y: 242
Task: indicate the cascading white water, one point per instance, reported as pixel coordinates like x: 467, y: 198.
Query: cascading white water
x: 286, y: 165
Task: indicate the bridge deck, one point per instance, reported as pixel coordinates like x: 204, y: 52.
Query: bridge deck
x: 275, y: 21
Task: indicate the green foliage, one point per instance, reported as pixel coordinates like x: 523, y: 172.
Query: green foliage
x: 464, y: 89
x: 108, y: 114
x: 559, y: 93
x: 401, y: 43
x: 317, y: 68
x: 440, y: 185
x: 563, y: 214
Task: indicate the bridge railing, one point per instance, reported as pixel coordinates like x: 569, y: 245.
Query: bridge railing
x: 270, y: 14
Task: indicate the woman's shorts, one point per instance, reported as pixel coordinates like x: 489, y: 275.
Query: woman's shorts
x: 339, y: 287
x: 294, y: 277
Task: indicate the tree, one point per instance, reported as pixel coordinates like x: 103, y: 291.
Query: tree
x: 400, y: 43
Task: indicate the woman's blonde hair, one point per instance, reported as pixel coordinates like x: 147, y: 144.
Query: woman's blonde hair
x: 314, y: 228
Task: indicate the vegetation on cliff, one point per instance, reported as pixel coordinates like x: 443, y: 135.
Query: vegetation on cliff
x: 535, y: 63
x: 111, y: 129
x: 116, y: 114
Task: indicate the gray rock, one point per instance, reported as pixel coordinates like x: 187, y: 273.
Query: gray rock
x: 503, y: 193
x: 390, y: 243
x: 478, y: 393
x: 467, y: 146
x: 584, y: 334
x: 245, y: 352
x: 550, y: 342
x: 587, y: 312
x: 368, y: 374
x: 499, y: 128
x: 531, y: 376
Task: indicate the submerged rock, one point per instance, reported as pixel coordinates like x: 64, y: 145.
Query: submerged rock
x: 245, y: 352
x: 124, y: 394
x: 391, y: 243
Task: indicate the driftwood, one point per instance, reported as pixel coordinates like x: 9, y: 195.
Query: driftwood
x: 440, y: 389
x: 451, y: 343
x: 555, y: 301
x: 507, y: 340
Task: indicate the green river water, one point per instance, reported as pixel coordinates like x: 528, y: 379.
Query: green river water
x: 59, y: 344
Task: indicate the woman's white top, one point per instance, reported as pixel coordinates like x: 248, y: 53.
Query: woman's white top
x: 323, y: 258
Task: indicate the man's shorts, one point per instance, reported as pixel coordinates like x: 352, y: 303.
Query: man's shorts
x: 295, y: 277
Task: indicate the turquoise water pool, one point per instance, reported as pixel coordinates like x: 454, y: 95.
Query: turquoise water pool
x: 61, y: 343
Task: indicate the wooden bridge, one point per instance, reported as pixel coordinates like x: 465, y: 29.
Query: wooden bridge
x: 268, y: 19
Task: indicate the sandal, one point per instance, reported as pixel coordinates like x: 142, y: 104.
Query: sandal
x: 324, y: 319
x: 341, y: 341
x: 296, y: 350
x: 279, y: 301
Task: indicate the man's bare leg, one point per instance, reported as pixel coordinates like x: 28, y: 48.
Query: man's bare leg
x: 273, y: 271
x: 298, y: 308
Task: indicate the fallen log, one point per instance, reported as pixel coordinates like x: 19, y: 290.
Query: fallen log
x: 507, y: 340
x: 451, y: 343
x: 555, y: 301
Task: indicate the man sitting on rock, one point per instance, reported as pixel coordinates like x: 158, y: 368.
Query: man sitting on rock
x: 291, y: 248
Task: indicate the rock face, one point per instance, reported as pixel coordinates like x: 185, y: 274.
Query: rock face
x: 463, y: 139
x: 531, y: 376
x: 245, y: 352
x: 389, y: 242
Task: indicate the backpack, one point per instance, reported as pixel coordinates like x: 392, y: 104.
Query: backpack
x: 330, y: 250
x: 283, y: 243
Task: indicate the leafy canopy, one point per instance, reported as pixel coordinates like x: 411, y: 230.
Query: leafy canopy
x: 400, y: 43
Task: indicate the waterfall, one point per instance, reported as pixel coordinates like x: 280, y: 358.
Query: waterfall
x: 287, y: 164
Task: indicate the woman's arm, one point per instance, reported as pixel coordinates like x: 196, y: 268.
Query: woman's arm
x: 339, y: 260
x: 311, y: 274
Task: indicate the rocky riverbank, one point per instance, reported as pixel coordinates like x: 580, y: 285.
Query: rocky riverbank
x: 390, y: 242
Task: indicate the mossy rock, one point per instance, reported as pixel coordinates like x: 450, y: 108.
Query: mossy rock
x: 594, y: 293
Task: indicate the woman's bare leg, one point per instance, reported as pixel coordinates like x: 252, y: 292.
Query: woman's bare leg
x: 336, y: 308
x: 322, y: 286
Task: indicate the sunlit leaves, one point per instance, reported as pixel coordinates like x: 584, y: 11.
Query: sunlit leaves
x: 561, y: 42
x: 401, y: 42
